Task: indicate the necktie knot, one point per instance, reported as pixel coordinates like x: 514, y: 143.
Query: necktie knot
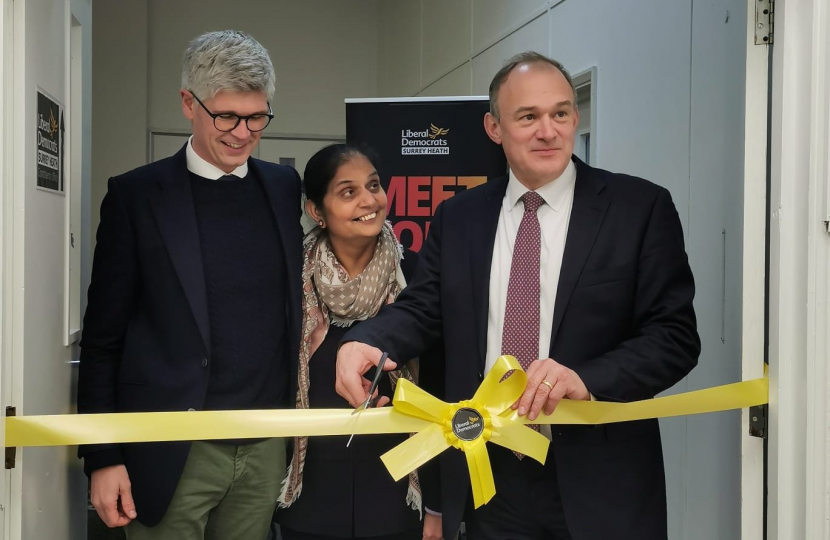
x: 532, y: 201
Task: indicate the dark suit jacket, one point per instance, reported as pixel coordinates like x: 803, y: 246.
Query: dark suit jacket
x: 146, y: 342
x: 623, y: 320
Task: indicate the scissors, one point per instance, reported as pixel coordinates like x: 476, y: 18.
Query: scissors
x: 368, y: 403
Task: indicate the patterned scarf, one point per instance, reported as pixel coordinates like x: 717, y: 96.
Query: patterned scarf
x: 331, y: 297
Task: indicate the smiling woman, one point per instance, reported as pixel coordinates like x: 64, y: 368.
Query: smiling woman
x: 349, y: 205
x: 352, y: 266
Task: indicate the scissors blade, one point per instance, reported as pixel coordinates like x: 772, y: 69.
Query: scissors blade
x: 361, y: 407
x: 366, y: 404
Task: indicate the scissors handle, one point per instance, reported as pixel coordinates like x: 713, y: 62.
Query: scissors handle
x: 378, y: 373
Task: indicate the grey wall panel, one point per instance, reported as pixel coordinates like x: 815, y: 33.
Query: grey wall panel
x: 454, y: 83
x: 532, y: 36
x: 715, y: 202
x: 493, y: 20
x: 446, y: 30
x: 400, y: 55
x: 119, y: 94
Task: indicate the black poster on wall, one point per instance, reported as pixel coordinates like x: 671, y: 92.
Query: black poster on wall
x: 429, y: 149
x: 49, y: 143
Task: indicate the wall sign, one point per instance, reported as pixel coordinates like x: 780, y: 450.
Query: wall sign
x: 50, y: 143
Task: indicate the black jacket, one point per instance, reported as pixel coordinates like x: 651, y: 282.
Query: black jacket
x: 146, y: 342
x: 623, y: 320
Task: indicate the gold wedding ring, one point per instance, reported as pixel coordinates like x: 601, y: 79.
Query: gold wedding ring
x: 546, y: 383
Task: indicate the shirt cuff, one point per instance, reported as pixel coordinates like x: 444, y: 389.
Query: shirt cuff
x: 432, y: 512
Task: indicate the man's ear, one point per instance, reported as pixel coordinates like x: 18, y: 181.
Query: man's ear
x: 187, y: 104
x: 491, y: 126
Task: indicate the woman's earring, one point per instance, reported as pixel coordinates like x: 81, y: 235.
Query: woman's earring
x: 320, y: 222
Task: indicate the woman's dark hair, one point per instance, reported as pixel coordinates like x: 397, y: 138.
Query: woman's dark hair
x: 322, y: 167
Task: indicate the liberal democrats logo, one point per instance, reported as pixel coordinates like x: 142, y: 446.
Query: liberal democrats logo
x: 467, y: 424
x: 435, y: 131
x: 428, y: 141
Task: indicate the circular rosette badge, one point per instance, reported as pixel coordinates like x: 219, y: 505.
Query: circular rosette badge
x: 467, y: 424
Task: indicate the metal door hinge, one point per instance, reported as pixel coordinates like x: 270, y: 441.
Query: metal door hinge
x: 11, y: 451
x: 758, y: 421
x: 764, y: 21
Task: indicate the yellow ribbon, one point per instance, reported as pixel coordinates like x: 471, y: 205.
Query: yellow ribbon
x: 467, y: 425
x: 503, y: 425
x: 413, y: 411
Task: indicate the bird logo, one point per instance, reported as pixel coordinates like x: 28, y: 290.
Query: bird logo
x: 435, y: 131
x: 53, y: 124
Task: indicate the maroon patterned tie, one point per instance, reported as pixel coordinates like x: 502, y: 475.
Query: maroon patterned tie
x: 520, y: 336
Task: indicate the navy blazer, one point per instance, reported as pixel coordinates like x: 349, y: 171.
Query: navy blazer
x: 623, y: 320
x: 146, y: 341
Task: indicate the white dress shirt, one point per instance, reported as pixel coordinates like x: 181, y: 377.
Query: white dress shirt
x: 198, y: 166
x: 554, y: 217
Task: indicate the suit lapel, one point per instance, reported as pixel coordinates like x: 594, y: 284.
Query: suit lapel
x: 282, y: 206
x: 176, y: 218
x: 588, y: 211
x: 482, y: 224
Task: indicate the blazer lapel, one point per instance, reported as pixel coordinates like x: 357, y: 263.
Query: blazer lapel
x: 588, y: 211
x: 283, y: 207
x: 176, y: 218
x: 482, y: 224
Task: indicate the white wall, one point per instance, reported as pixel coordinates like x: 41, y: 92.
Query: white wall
x: 48, y: 488
x: 669, y: 107
x: 799, y: 273
x: 323, y: 52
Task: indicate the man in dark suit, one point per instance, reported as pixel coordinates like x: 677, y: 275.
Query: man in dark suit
x: 195, y: 305
x: 582, y: 275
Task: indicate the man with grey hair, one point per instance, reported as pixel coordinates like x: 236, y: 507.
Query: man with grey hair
x: 194, y: 305
x: 579, y: 273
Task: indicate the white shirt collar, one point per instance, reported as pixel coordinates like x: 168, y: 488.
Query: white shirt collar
x: 554, y: 193
x: 198, y: 166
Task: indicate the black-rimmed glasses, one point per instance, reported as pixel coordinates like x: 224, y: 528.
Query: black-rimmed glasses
x: 229, y: 121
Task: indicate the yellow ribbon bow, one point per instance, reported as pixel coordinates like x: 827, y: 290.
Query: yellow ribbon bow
x: 467, y: 425
x: 457, y: 424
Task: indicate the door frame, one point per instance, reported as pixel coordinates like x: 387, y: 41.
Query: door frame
x: 11, y: 263
x: 755, y: 241
x: 5, y: 178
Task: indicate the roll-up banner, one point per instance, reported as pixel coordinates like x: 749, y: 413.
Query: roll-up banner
x: 429, y: 150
